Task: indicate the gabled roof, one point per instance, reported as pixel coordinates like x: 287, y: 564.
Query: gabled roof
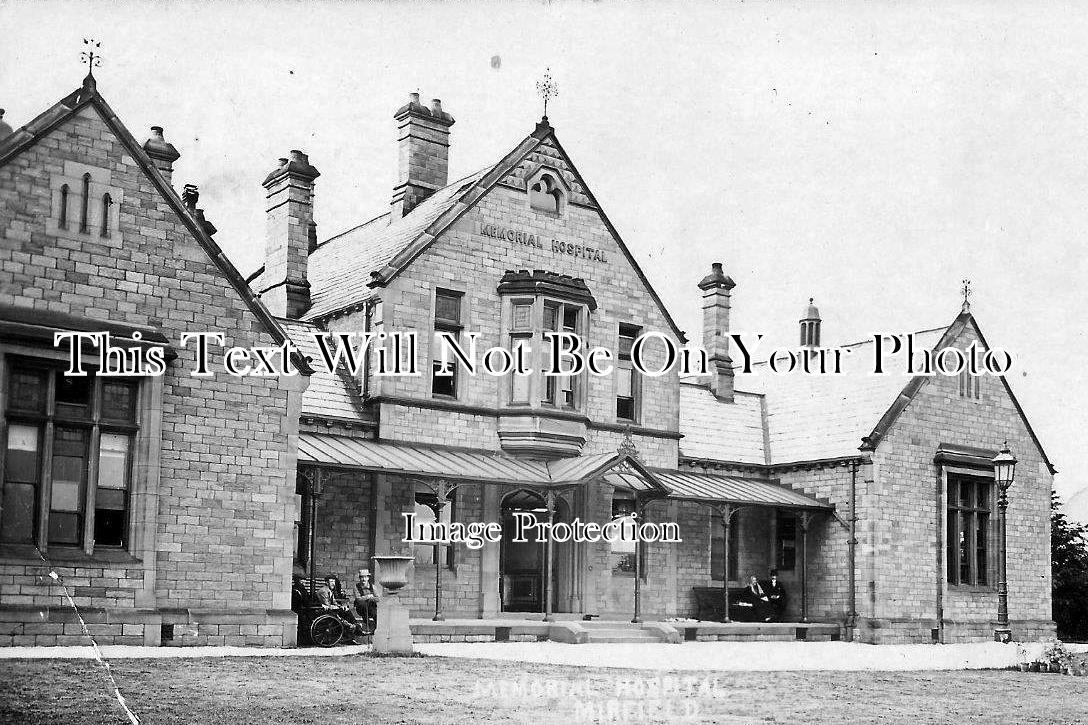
x: 344, y: 270
x: 817, y: 417
x: 810, y: 418
x: 88, y: 95
x: 330, y: 395
x: 339, y: 270
x: 964, y: 319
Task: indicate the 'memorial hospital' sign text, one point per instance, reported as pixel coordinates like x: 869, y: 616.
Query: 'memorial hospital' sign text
x: 517, y: 236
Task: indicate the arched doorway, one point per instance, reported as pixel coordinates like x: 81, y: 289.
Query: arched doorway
x: 521, y: 564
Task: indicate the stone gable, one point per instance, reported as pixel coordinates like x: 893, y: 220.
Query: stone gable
x: 226, y: 468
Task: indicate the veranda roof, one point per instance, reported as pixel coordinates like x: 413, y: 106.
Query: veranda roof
x: 730, y: 489
x: 494, y: 467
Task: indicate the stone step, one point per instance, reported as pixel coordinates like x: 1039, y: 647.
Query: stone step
x: 622, y: 639
x: 622, y: 635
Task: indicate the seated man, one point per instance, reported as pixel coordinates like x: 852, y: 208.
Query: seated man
x: 366, y: 601
x: 754, y: 595
x: 331, y: 598
x: 776, y: 594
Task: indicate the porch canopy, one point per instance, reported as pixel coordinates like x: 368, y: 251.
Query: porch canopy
x: 621, y: 468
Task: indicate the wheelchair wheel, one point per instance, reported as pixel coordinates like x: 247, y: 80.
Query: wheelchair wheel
x: 326, y: 630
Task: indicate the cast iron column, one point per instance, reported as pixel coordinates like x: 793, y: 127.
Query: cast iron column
x: 549, y: 502
x: 804, y: 521
x: 440, y: 503
x: 639, y: 511
x: 727, y: 514
x: 315, y: 493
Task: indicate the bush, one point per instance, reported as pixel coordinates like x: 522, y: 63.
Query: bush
x: 1069, y: 566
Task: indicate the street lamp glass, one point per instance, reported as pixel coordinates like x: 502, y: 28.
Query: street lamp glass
x: 1004, y: 467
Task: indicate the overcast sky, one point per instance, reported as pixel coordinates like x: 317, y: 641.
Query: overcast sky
x: 868, y: 155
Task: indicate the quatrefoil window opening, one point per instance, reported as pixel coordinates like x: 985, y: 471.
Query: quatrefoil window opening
x: 546, y: 195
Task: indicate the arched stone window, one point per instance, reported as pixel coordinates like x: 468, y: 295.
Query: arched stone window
x: 83, y: 208
x: 545, y: 194
x: 63, y: 221
x: 107, y: 202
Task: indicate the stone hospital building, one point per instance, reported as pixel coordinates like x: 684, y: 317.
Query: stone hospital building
x: 176, y: 509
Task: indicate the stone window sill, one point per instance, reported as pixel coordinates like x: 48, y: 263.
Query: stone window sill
x: 63, y: 556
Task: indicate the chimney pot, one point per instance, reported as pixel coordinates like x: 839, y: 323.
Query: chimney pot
x: 162, y: 153
x: 190, y: 196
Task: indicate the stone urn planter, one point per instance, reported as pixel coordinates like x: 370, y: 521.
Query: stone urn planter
x: 392, y: 571
x: 393, y: 635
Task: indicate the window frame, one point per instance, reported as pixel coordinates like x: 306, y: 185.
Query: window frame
x: 784, y: 543
x: 94, y: 422
x: 733, y: 573
x: 446, y: 325
x: 628, y: 330
x: 550, y: 387
x: 519, y: 335
x: 954, y: 513
x: 427, y: 498
x: 621, y: 495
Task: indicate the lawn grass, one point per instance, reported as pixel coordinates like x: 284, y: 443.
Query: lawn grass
x: 433, y: 690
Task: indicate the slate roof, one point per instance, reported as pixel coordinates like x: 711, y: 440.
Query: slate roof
x: 721, y: 431
x: 329, y: 395
x: 494, y: 467
x: 808, y: 417
x: 340, y: 268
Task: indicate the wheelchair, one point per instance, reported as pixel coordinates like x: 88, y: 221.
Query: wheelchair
x: 323, y: 627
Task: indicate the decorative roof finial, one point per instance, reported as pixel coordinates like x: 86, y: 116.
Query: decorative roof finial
x: 548, y: 89
x: 89, y: 56
x: 627, y: 447
x: 966, y: 291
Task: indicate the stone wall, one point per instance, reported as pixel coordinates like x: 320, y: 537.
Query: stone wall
x: 213, y: 496
x: 905, y: 522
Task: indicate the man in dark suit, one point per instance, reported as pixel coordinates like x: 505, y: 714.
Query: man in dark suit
x: 776, y: 596
x: 754, y: 595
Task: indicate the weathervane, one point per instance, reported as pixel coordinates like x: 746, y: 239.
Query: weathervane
x: 89, y: 56
x: 548, y: 89
x: 966, y: 291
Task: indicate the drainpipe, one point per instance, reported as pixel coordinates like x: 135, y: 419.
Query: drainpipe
x: 852, y: 617
x: 938, y: 496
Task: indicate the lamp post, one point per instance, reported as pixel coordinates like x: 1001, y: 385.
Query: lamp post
x: 1004, y: 470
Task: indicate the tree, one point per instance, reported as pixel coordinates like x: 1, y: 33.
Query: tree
x: 1069, y: 566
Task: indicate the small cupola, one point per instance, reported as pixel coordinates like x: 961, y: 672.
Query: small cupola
x: 810, y: 326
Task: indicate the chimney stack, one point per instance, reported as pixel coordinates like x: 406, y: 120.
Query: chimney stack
x: 810, y: 326
x: 290, y: 191
x: 716, y: 288
x: 423, y: 135
x: 162, y: 153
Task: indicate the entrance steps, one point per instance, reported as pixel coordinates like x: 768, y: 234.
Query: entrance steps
x: 625, y: 632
